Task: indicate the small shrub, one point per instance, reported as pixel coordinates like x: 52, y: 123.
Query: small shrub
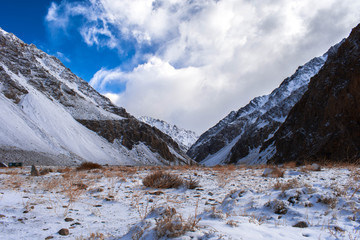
x: 93, y: 236
x: 290, y: 184
x: 301, y: 224
x: 88, y: 166
x: 46, y: 171
x: 330, y: 201
x: 173, y: 225
x: 64, y: 170
x: 162, y: 180
x: 277, y: 206
x: 232, y: 223
x: 192, y: 183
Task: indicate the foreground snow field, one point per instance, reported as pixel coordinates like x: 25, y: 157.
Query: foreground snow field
x: 229, y: 203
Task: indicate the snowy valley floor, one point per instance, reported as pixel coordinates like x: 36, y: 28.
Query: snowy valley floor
x: 229, y: 203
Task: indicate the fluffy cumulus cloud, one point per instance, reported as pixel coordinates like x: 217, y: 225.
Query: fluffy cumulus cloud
x: 196, y: 60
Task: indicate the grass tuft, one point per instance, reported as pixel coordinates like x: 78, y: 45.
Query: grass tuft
x: 172, y: 224
x: 162, y: 179
x: 88, y: 166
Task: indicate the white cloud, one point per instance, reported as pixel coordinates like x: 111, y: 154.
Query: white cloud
x: 208, y: 57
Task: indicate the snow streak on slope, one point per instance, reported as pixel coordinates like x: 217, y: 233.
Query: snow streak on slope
x: 239, y: 136
x: 40, y: 125
x: 185, y: 138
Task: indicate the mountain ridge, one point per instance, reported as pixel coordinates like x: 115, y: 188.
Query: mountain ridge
x: 55, y: 111
x: 325, y: 123
x: 185, y: 138
x: 238, y: 137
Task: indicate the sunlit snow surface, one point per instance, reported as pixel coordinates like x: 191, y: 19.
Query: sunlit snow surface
x: 231, y: 203
x: 41, y: 126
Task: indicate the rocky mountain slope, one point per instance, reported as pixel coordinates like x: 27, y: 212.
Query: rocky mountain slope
x: 50, y: 116
x: 239, y: 136
x: 185, y: 138
x: 325, y: 123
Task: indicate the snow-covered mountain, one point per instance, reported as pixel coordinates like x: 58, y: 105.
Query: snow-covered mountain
x: 50, y: 116
x: 185, y: 138
x: 238, y: 137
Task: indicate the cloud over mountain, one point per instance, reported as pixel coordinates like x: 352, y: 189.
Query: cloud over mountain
x: 191, y: 62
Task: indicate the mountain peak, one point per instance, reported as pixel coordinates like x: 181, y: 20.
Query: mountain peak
x: 185, y: 138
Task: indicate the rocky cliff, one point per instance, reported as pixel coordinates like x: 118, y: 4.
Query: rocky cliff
x: 325, y: 123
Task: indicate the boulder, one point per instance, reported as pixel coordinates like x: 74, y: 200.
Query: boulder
x: 64, y: 232
x: 34, y: 171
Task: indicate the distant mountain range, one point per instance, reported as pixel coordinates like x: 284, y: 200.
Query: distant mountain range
x: 50, y: 116
x: 185, y: 138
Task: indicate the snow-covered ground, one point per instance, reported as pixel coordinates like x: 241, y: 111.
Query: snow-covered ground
x: 229, y: 203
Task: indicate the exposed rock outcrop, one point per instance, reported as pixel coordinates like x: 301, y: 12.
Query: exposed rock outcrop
x: 325, y: 123
x: 184, y: 138
x: 131, y: 132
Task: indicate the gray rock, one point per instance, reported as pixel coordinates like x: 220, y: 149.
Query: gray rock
x: 34, y: 171
x: 315, y: 167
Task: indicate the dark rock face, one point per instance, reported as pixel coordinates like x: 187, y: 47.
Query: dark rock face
x: 184, y: 138
x: 12, y: 89
x: 325, y: 123
x: 239, y: 136
x: 130, y: 132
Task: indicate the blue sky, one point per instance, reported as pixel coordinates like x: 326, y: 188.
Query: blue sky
x: 187, y: 62
x: 27, y: 20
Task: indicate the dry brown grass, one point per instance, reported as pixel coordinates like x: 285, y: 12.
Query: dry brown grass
x: 277, y: 206
x: 192, y: 183
x: 93, y: 236
x: 186, y: 167
x: 289, y: 184
x: 161, y: 179
x: 224, y: 173
x: 10, y: 172
x: 224, y: 168
x: 344, y: 163
x: 88, y: 166
x: 13, y: 181
x: 172, y: 224
x: 50, y: 184
x: 64, y: 170
x: 232, y: 223
x: 330, y: 201
x: 290, y: 165
x: 257, y: 167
